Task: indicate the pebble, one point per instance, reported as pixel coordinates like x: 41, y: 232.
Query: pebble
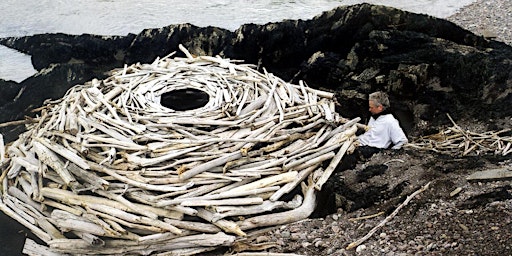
x: 262, y: 239
x: 361, y: 248
x: 432, y: 246
x: 295, y: 237
x: 463, y: 227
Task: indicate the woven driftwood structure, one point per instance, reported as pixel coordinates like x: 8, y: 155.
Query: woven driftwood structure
x: 108, y: 170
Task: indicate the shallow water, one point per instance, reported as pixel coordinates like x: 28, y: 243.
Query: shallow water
x: 120, y: 17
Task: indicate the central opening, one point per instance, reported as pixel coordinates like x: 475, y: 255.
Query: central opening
x: 184, y: 99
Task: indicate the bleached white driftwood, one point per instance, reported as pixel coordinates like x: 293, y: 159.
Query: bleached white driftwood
x: 107, y: 169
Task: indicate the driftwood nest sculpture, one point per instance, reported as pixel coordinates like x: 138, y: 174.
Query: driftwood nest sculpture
x: 108, y: 169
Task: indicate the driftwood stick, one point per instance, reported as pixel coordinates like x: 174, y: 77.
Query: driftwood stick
x: 333, y: 164
x: 299, y: 213
x: 303, y: 174
x: 226, y: 225
x: 124, y: 247
x: 41, y: 234
x: 268, y: 181
x: 233, y: 201
x: 51, y: 159
x: 163, y: 188
x: 127, y: 203
x: 226, y: 211
x: 18, y: 122
x: 194, y: 226
x: 388, y: 218
x: 74, y: 199
x: 90, y: 238
x: 34, y: 249
x: 64, y: 152
x: 367, y: 216
x: 208, y: 165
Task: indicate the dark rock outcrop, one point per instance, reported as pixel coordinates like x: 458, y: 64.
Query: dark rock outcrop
x: 429, y: 66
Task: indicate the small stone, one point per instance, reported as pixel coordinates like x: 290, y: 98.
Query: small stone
x: 463, y: 227
x: 455, y: 192
x: 431, y: 246
x: 361, y: 248
x: 305, y: 244
x: 262, y: 239
x: 295, y: 237
x: 335, y: 217
x: 402, y: 247
x: 319, y: 243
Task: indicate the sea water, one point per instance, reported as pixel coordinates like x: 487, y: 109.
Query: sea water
x: 120, y: 17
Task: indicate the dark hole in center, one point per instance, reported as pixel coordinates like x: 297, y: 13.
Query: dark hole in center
x: 184, y: 99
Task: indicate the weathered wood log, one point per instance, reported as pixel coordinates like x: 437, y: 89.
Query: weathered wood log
x: 332, y: 165
x: 226, y: 225
x: 492, y: 174
x: 74, y: 199
x: 222, y: 212
x: 299, y: 213
x: 32, y: 248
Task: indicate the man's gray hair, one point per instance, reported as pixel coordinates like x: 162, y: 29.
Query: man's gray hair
x: 380, y: 98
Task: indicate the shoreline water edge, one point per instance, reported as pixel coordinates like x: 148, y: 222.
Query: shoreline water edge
x: 16, y: 66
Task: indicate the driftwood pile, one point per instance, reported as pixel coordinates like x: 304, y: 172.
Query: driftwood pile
x: 459, y: 142
x: 109, y: 170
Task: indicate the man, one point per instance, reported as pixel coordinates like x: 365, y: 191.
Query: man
x: 383, y: 129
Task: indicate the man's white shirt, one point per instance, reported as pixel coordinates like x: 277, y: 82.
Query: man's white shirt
x: 383, y: 132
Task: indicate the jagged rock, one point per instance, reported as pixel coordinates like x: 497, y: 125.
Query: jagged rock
x: 429, y: 66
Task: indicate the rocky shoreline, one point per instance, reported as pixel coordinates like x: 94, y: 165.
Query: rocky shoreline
x: 489, y: 18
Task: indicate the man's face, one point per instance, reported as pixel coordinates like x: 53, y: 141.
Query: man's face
x: 374, y: 109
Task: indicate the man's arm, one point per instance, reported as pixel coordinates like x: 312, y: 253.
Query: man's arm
x: 397, y: 136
